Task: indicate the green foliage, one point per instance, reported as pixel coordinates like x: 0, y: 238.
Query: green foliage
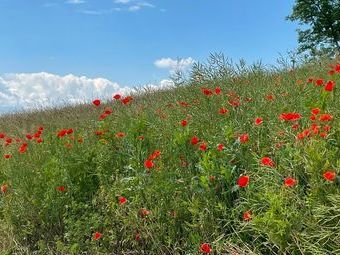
x: 190, y: 196
x: 322, y: 17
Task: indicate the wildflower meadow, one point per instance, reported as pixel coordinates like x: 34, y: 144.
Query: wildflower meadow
x: 232, y: 160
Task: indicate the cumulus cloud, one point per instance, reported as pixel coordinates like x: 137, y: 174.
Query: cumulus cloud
x: 122, y: 1
x: 172, y: 64
x: 27, y: 90
x: 20, y: 91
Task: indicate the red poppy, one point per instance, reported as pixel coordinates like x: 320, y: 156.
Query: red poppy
x: 295, y: 126
x: 310, y: 80
x: 60, y: 188
x: 312, y: 117
x: 143, y: 212
x: 217, y: 90
x: 127, y: 99
x: 99, y: 132
x: 117, y: 96
x: 154, y: 155
x: 323, y: 134
x: 316, y: 111
x: 258, y: 121
x: 243, y: 138
x: 194, y: 140
x: 329, y: 86
x: 289, y: 182
x: 220, y: 147
x: 205, y: 248
x: 97, y: 235
x: 331, y: 72
x: 319, y: 82
x: 243, y: 181
x: 148, y: 163
x: 329, y: 175
x: 234, y: 102
x: 327, y: 128
x: 203, y: 146
x: 222, y: 111
x: 267, y: 162
x: 291, y: 116
x: 2, y: 135
x: 247, y: 216
x: 337, y: 68
x: 62, y: 133
x: 325, y: 117
x: 7, y: 156
x: 184, y: 123
x: 206, y: 92
x: 96, y: 102
x: 23, y: 148
x: 29, y: 137
x: 39, y: 140
x: 120, y: 134
x: 4, y: 188
x: 122, y: 200
x: 270, y: 97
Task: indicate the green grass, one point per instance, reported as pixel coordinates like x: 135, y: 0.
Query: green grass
x: 191, y: 194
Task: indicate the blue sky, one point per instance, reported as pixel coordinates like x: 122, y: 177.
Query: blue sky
x: 121, y: 40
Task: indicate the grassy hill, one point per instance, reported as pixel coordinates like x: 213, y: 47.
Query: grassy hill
x: 240, y: 160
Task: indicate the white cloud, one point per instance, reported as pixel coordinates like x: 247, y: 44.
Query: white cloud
x: 173, y: 65
x: 34, y: 90
x: 122, y: 1
x: 134, y: 8
x: 75, y: 1
x: 27, y: 90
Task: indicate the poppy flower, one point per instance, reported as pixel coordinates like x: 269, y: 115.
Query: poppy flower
x: 143, y: 212
x: 7, y: 156
x: 325, y: 117
x: 319, y: 82
x: 60, y: 188
x: 310, y: 80
x: 148, y: 163
x: 220, y: 147
x: 329, y: 86
x: 247, y: 216
x: 194, y: 140
x: 337, y: 68
x: 206, y: 92
x: 120, y: 134
x: 122, y: 200
x: 217, y: 90
x: 323, y: 134
x: 243, y: 138
x: 184, y: 123
x: 258, y: 121
x: 4, y: 188
x: 234, y: 102
x: 29, y: 137
x: 99, y: 132
x: 96, y: 102
x: 23, y: 148
x: 117, y: 96
x: 316, y: 111
x: 291, y: 116
x: 2, y: 135
x: 127, y: 100
x: 243, y: 181
x: 331, y: 72
x: 270, y: 97
x: 267, y: 162
x: 62, y: 133
x: 312, y: 117
x: 203, y: 147
x: 329, y: 175
x: 327, y: 128
x: 222, y: 111
x: 39, y: 140
x: 295, y: 126
x: 205, y: 248
x: 97, y: 235
x: 289, y: 182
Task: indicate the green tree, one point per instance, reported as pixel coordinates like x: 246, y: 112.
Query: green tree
x: 322, y: 21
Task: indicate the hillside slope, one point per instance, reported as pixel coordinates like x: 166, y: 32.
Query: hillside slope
x: 239, y: 162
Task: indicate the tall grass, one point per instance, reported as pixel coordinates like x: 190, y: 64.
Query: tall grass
x: 63, y: 190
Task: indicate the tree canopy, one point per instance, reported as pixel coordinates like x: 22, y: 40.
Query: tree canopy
x: 321, y: 22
